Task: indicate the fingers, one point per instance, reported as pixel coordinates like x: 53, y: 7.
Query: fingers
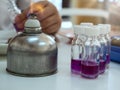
x: 49, y: 21
x: 53, y: 29
x: 19, y: 26
x: 20, y: 18
x: 47, y: 11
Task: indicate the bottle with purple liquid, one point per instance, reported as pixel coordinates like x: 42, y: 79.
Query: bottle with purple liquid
x: 90, y: 63
x: 104, y: 39
x: 108, y: 39
x: 103, y: 49
x: 75, y: 61
x: 77, y: 50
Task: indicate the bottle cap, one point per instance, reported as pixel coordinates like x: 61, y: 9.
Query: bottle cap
x: 92, y: 31
x: 108, y: 26
x: 104, y: 28
x: 79, y: 29
x: 76, y: 29
x: 86, y: 24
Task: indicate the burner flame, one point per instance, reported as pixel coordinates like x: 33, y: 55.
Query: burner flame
x: 34, y: 7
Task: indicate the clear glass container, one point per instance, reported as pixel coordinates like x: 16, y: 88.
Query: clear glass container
x: 75, y: 60
x: 106, y: 38
x: 90, y: 64
x: 103, y: 50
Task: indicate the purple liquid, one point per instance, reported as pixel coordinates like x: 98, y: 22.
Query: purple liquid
x: 102, y: 66
x: 107, y: 59
x: 89, y: 69
x: 76, y: 66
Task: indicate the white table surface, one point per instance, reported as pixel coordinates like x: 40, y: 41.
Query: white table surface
x: 63, y: 80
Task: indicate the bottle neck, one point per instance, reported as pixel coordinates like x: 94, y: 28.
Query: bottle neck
x: 82, y: 38
x: 30, y: 30
x: 107, y: 36
x: 102, y: 38
x: 91, y: 38
x: 75, y: 40
x: 92, y: 41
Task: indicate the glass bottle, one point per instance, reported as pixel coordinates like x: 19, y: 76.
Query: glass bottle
x: 103, y: 50
x: 75, y: 61
x: 90, y: 64
x: 108, y: 40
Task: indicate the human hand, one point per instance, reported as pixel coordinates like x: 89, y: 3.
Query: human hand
x: 46, y: 13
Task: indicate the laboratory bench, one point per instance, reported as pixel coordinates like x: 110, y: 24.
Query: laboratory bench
x: 63, y: 79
